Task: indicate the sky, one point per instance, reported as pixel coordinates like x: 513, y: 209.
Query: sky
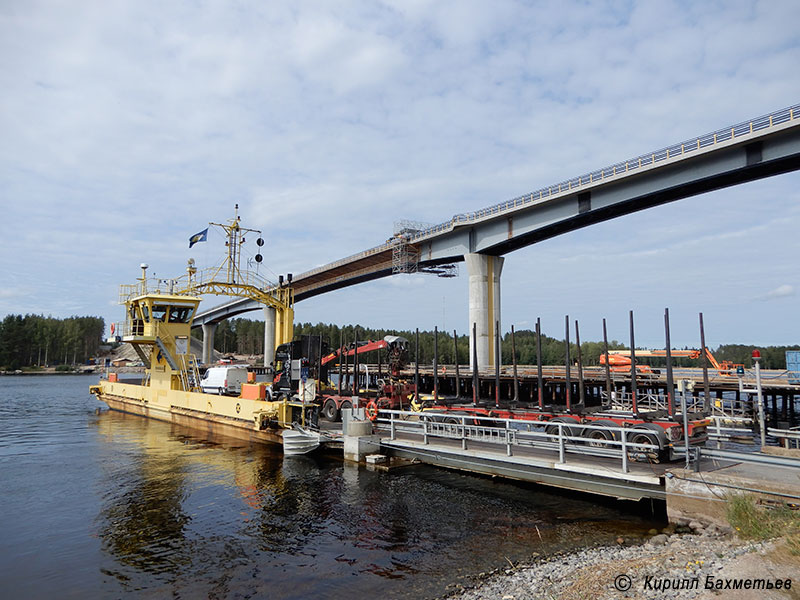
x: 128, y: 125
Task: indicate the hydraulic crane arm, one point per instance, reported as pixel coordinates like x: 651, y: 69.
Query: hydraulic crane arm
x: 390, y: 341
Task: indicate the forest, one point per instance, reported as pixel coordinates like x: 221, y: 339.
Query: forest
x: 243, y: 336
x: 36, y: 340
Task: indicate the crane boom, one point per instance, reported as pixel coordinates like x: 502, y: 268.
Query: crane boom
x: 621, y: 358
x: 389, y: 341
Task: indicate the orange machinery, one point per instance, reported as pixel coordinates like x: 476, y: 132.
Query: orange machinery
x: 620, y: 360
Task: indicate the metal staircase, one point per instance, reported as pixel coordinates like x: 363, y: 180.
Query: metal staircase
x: 189, y: 372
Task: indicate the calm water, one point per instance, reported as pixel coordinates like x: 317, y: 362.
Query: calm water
x: 106, y: 505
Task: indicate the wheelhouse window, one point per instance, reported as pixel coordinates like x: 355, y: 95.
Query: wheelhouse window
x: 159, y: 312
x: 180, y: 314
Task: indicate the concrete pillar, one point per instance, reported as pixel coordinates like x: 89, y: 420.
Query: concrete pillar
x: 484, y: 304
x: 269, y: 335
x: 208, y: 342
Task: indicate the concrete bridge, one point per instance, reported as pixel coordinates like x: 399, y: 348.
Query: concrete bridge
x: 755, y: 149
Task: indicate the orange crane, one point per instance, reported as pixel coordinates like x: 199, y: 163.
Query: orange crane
x: 620, y: 360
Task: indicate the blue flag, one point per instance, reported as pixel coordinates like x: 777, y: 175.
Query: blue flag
x: 198, y: 237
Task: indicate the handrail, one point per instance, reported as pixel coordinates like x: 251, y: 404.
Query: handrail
x: 714, y: 138
x: 786, y: 435
x: 514, y: 432
x: 720, y: 136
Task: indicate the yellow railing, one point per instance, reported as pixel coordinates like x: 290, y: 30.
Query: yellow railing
x: 212, y: 280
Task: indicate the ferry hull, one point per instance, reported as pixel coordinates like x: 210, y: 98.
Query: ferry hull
x: 202, y: 422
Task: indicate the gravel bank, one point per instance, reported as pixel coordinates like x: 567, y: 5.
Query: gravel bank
x: 665, y: 561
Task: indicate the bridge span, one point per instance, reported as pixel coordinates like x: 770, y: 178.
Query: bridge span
x: 751, y: 150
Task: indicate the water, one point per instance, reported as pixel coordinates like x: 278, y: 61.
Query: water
x: 106, y: 505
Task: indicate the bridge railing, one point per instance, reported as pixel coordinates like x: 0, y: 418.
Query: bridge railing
x: 761, y: 123
x: 344, y: 261
x: 726, y: 134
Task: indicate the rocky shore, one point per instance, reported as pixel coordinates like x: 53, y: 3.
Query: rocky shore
x: 707, y: 563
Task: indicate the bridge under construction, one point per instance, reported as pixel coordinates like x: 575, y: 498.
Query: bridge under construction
x: 754, y: 149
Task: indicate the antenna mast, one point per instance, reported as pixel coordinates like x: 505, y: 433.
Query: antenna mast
x: 235, y: 234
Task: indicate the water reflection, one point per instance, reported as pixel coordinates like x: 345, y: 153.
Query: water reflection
x: 192, y: 515
x: 142, y: 523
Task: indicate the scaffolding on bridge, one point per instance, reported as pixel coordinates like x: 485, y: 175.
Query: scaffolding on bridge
x: 405, y: 256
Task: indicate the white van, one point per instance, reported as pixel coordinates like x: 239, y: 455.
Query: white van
x: 224, y: 380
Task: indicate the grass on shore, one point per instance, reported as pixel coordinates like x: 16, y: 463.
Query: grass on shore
x: 757, y: 522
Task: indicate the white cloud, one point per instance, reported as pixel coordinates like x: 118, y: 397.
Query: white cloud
x: 782, y: 291
x: 127, y: 126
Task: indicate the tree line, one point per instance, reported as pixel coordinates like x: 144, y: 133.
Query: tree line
x: 36, y: 340
x: 243, y: 336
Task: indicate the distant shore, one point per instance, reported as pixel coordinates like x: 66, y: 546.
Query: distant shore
x: 47, y: 372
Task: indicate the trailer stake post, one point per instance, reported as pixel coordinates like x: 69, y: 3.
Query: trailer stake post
x: 567, y: 379
x: 355, y: 362
x: 416, y: 368
x: 475, y: 381
x: 581, y: 389
x: 706, y: 387
x: 341, y: 356
x: 319, y: 368
x: 634, y: 403
x: 514, y: 362
x: 670, y: 382
x: 608, y: 367
x: 455, y: 359
x: 539, y: 378
x: 497, y: 364
x: 435, y: 363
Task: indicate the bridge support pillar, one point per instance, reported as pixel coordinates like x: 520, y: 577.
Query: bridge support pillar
x: 484, y: 304
x: 269, y: 335
x: 208, y: 342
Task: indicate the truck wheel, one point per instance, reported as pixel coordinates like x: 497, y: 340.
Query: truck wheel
x: 569, y: 428
x: 330, y: 412
x: 642, y: 434
x: 598, y: 438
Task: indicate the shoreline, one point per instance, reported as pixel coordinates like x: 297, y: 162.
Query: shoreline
x: 679, y: 566
x: 50, y: 372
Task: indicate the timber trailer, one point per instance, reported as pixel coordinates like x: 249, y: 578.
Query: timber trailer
x: 660, y: 427
x: 309, y: 359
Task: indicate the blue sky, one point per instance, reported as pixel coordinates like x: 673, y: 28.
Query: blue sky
x: 127, y: 126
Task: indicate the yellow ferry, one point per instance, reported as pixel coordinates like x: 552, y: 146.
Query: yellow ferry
x: 158, y: 325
